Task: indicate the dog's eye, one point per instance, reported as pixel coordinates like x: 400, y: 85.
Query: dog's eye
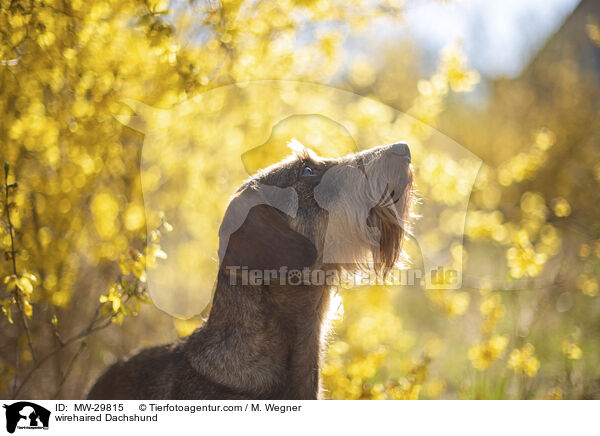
x: 307, y: 171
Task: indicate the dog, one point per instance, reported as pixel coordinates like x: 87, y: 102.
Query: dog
x: 264, y: 335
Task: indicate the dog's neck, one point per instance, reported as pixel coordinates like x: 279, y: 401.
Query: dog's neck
x: 264, y: 341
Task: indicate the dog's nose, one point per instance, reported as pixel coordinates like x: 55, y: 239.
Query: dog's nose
x: 401, y: 149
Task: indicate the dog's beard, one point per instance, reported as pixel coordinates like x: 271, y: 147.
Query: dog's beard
x: 359, y: 243
x: 390, y: 221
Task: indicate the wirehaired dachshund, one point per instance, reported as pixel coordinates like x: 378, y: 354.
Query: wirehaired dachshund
x: 286, y: 228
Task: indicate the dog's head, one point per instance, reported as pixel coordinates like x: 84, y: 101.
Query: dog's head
x: 307, y: 211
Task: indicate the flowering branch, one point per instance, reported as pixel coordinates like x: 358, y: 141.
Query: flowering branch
x: 124, y: 299
x: 19, y: 288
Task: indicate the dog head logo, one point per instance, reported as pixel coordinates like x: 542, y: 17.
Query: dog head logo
x: 364, y: 192
x: 26, y: 415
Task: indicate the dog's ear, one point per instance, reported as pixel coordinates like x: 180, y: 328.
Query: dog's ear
x: 265, y: 241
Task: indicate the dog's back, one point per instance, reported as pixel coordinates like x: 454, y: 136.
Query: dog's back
x: 146, y: 375
x: 160, y: 373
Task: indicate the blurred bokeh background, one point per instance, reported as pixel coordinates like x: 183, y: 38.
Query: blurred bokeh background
x: 515, y: 84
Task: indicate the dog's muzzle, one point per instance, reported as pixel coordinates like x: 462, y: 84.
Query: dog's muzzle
x: 401, y: 149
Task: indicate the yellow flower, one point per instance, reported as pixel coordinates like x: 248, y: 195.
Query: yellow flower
x: 524, y: 361
x: 588, y: 285
x: 482, y: 355
x: 124, y: 264
x: 25, y: 289
x: 522, y: 258
x: 10, y: 282
x: 493, y: 310
x: 405, y: 391
x: 561, y: 207
x: 459, y: 77
x: 434, y: 388
x: 554, y: 394
x: 571, y: 350
x: 152, y: 253
x: 113, y: 297
x: 453, y: 303
x: 6, y: 305
x: 27, y: 309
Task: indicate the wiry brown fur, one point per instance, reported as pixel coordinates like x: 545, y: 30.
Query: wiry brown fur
x: 264, y: 341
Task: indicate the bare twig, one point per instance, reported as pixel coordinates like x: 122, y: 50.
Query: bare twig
x: 98, y: 323
x: 68, y: 370
x: 14, y: 384
x: 26, y: 327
